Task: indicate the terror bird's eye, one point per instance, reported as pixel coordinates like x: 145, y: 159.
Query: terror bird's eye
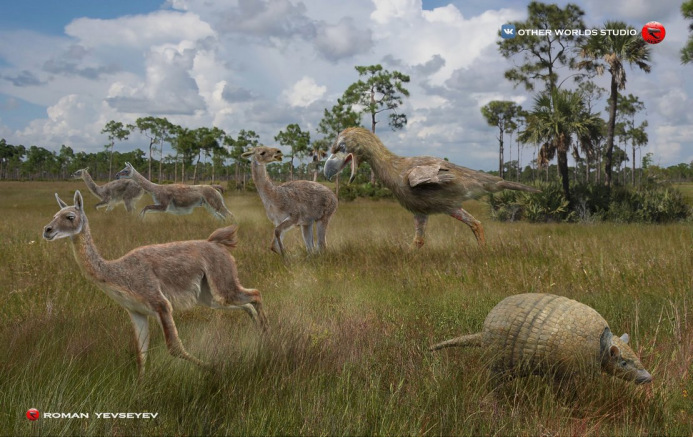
x: 341, y: 147
x: 262, y: 153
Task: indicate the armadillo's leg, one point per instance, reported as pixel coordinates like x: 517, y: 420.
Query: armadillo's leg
x: 461, y: 215
x: 420, y: 225
x: 463, y: 341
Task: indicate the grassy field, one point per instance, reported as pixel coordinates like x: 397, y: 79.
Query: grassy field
x: 347, y: 352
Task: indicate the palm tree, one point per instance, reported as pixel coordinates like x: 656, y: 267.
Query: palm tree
x: 590, y: 143
x: 555, y: 118
x: 615, y: 50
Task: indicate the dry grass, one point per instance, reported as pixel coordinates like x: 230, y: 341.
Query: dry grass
x: 347, y: 354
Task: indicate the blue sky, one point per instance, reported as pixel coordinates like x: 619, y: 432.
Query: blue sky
x: 67, y: 68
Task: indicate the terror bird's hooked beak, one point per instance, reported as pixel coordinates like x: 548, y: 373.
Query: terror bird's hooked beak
x: 337, y: 162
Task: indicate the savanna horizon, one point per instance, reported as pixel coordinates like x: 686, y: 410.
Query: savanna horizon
x: 350, y: 330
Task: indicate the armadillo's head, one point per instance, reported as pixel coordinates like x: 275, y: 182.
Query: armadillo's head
x: 619, y: 360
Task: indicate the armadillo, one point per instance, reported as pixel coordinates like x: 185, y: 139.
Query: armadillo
x: 537, y: 333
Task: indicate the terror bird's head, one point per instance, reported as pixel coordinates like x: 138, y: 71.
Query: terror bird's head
x: 342, y: 153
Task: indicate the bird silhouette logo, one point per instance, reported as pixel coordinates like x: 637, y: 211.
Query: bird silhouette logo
x: 32, y: 414
x: 653, y: 32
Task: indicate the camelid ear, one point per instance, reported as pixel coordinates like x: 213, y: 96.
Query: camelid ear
x: 79, y: 202
x: 61, y: 203
x: 248, y: 154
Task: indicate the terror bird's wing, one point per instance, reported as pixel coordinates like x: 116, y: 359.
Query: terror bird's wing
x: 429, y: 174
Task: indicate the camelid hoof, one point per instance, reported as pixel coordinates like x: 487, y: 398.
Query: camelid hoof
x: 418, y: 243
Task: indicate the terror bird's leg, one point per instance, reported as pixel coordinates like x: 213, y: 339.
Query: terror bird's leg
x: 420, y: 224
x: 461, y: 215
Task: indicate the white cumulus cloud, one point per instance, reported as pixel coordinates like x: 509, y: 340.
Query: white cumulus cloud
x: 304, y: 92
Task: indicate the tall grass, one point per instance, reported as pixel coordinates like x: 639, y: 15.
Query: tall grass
x: 347, y: 352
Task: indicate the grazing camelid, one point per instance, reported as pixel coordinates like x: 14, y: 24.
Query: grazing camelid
x: 113, y: 192
x: 153, y: 280
x: 422, y: 185
x: 293, y: 203
x: 178, y: 198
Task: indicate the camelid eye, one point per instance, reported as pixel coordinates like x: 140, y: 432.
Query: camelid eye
x: 71, y: 217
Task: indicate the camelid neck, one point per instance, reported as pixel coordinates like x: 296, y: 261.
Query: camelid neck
x: 86, y: 254
x: 383, y: 162
x: 91, y: 185
x: 144, y: 182
x: 263, y: 183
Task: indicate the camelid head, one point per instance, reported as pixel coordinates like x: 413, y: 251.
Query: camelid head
x: 68, y: 221
x: 126, y: 173
x: 619, y: 360
x: 342, y: 153
x: 264, y: 154
x: 80, y: 173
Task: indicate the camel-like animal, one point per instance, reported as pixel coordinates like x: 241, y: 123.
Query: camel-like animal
x: 422, y: 185
x: 112, y: 193
x: 293, y: 203
x: 155, y: 279
x: 178, y: 199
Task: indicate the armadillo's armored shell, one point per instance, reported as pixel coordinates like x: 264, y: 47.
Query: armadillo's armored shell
x: 529, y: 333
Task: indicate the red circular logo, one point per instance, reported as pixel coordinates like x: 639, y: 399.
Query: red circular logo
x: 653, y: 32
x: 32, y: 414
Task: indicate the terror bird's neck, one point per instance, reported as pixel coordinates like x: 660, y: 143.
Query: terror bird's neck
x: 385, y: 164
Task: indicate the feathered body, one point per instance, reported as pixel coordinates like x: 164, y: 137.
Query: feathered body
x: 423, y: 185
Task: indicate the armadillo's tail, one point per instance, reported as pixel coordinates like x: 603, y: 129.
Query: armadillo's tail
x: 509, y: 185
x: 463, y: 341
x: 225, y: 237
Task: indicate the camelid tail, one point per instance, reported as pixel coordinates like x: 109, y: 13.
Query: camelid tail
x: 225, y: 237
x: 509, y: 185
x: 463, y: 341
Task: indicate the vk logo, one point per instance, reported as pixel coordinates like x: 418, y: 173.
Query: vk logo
x: 508, y: 31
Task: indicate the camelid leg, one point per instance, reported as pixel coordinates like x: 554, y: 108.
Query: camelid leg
x: 101, y: 204
x: 322, y: 233
x: 214, y: 202
x: 278, y: 242
x: 129, y: 205
x: 110, y: 206
x: 175, y: 346
x: 140, y: 323
x: 227, y: 293
x: 420, y: 221
x: 461, y: 215
x: 307, y: 231
x: 157, y: 207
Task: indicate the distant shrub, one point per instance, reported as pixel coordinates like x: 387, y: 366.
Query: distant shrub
x: 591, y: 203
x: 349, y: 192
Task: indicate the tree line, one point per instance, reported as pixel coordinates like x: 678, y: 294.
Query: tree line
x: 562, y: 121
x: 209, y: 153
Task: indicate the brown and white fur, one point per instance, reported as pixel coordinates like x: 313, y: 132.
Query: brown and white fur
x: 293, y: 203
x: 178, y: 199
x: 152, y: 280
x: 112, y: 193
